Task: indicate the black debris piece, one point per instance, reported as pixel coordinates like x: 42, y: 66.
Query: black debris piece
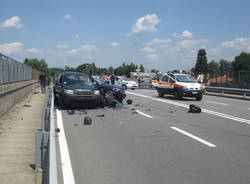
x: 21, y: 118
x: 87, y: 120
x: 36, y: 92
x: 26, y: 105
x: 134, y: 112
x: 100, y: 115
x: 71, y: 112
x: 171, y: 111
x: 129, y: 101
x: 133, y: 109
x: 57, y: 130
x: 75, y: 124
x: 147, y: 109
x: 137, y: 105
x: 194, y: 109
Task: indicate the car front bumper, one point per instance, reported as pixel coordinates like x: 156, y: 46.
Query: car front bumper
x: 192, y: 93
x: 78, y: 100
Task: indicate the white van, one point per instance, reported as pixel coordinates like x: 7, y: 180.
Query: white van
x: 178, y: 84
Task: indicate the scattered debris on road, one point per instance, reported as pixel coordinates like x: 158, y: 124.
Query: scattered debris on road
x: 57, y: 130
x: 36, y: 92
x: 26, y: 105
x: 137, y: 105
x: 100, y: 115
x: 129, y: 101
x: 147, y: 109
x: 75, y: 124
x: 87, y: 120
x: 194, y: 109
x: 71, y: 112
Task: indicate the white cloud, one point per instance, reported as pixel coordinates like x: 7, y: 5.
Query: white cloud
x: 114, y: 44
x: 34, y: 51
x: 11, y: 48
x: 86, y: 58
x: 152, y: 57
x: 159, y: 41
x: 190, y: 43
x: 85, y: 48
x: 67, y: 17
x: 230, y: 49
x: 62, y: 46
x: 13, y: 22
x: 147, y: 49
x: 145, y: 25
x: 77, y: 36
x: 185, y: 34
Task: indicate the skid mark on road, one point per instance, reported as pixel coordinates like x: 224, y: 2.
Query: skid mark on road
x: 187, y: 106
x: 194, y: 137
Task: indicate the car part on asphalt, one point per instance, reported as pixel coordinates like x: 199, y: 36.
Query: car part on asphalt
x: 129, y: 101
x: 71, y: 112
x: 194, y: 109
x: 57, y: 130
x: 87, y: 120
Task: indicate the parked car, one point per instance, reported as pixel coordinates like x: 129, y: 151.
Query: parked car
x: 125, y: 83
x: 107, y: 90
x: 76, y: 89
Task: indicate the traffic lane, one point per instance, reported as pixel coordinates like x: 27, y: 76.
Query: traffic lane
x: 180, y: 116
x: 233, y: 107
x: 232, y: 137
x: 144, y: 151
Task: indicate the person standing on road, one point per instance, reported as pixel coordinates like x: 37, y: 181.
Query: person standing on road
x: 112, y: 78
x: 42, y: 78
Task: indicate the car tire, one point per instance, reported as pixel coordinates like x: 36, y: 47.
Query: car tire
x: 177, y: 95
x: 60, y: 101
x: 198, y: 98
x: 124, y: 87
x: 133, y: 88
x: 160, y: 94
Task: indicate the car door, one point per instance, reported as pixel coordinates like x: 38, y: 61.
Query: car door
x: 165, y: 85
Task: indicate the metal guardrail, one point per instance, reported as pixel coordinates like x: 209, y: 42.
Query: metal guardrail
x: 13, y: 71
x: 46, y: 142
x: 234, y: 91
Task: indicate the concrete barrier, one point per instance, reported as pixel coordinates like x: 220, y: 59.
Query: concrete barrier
x: 10, y: 94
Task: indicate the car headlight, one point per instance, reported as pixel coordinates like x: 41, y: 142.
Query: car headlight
x: 202, y: 87
x: 96, y: 92
x: 69, y: 91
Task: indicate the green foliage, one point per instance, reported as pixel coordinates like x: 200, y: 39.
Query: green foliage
x: 37, y: 64
x: 225, y: 67
x: 201, y: 62
x: 213, y: 68
x: 241, y: 62
x: 154, y: 71
x: 142, y: 68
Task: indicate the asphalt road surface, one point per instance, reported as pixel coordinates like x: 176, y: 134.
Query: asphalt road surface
x: 156, y: 141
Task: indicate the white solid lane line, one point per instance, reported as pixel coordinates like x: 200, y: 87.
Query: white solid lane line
x: 194, y: 137
x: 215, y: 102
x: 146, y: 115
x: 67, y: 171
x: 187, y: 106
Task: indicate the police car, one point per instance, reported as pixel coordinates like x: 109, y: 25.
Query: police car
x: 178, y: 84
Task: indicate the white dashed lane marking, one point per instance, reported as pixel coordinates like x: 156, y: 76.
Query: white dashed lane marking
x: 218, y: 103
x: 194, y: 137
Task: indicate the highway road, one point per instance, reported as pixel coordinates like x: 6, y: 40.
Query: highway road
x: 156, y: 141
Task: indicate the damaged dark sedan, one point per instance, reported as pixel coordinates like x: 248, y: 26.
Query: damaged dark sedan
x: 76, y: 89
x: 108, y: 91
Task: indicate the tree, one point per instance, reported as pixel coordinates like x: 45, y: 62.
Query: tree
x: 225, y: 67
x: 241, y: 62
x: 142, y: 68
x: 213, y: 68
x: 201, y: 62
x: 154, y: 71
x: 37, y: 64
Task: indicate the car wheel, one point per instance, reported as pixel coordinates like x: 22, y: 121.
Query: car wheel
x: 177, y: 95
x: 124, y: 87
x: 198, y: 98
x: 60, y: 101
x: 160, y: 94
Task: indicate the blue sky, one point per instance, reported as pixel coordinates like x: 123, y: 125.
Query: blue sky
x: 159, y: 34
